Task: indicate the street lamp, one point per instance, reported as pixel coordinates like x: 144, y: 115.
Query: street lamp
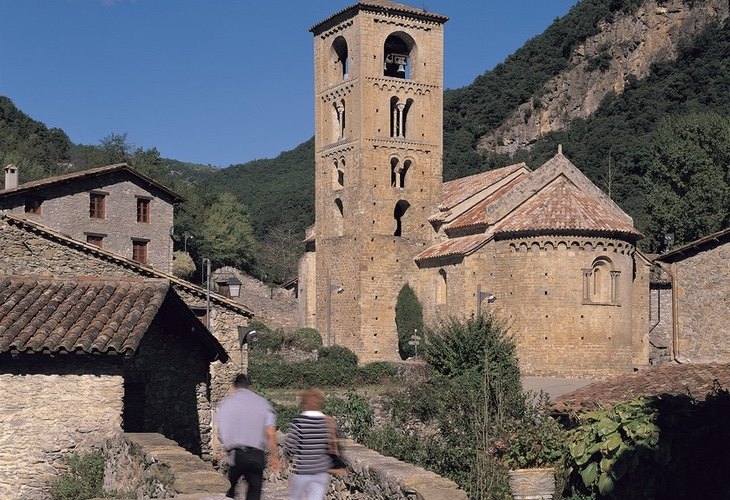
x: 185, y: 244
x: 206, y: 270
x: 234, y: 287
x: 484, y: 295
x: 330, y: 290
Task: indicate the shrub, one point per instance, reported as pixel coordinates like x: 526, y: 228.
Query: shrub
x: 83, y: 479
x: 270, y: 374
x: 377, y: 372
x: 353, y: 414
x: 306, y: 339
x: 268, y: 340
x: 338, y: 354
x: 408, y: 319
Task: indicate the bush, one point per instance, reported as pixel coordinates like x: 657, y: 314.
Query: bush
x: 268, y: 340
x: 83, y: 479
x: 408, y: 320
x: 377, y: 372
x: 353, y: 414
x: 306, y: 339
x: 270, y: 374
x: 338, y: 354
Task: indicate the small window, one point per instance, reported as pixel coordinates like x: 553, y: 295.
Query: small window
x: 143, y: 210
x: 139, y: 251
x: 97, y: 206
x: 95, y: 239
x: 33, y: 206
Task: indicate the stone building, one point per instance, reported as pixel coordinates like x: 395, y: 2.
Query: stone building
x: 83, y: 359
x: 691, y: 302
x: 32, y: 251
x: 556, y: 252
x: 113, y: 207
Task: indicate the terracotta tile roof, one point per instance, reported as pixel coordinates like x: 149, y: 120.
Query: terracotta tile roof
x: 387, y: 5
x: 477, y: 215
x: 90, y: 172
x: 458, y: 190
x: 142, y: 269
x: 709, y: 241
x: 44, y: 315
x: 696, y: 380
x: 561, y: 206
x: 455, y: 246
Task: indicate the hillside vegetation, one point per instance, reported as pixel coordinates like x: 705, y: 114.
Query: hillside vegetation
x: 624, y: 148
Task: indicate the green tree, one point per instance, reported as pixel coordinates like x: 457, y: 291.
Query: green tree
x: 688, y: 176
x: 228, y: 237
x: 408, y: 319
x: 182, y: 265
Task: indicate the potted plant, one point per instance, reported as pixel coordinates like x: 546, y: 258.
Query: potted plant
x: 531, y: 447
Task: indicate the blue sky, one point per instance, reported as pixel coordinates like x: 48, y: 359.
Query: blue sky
x: 210, y: 81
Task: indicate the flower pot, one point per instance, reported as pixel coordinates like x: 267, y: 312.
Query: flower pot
x: 532, y: 484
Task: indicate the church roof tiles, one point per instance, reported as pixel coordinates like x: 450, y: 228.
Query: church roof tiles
x: 561, y: 206
x: 453, y: 247
x: 458, y: 190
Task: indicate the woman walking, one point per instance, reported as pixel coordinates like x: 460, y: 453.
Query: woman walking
x: 309, y: 444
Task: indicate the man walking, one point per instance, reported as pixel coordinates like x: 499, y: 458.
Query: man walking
x: 246, y: 426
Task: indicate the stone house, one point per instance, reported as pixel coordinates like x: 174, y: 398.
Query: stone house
x: 113, y: 207
x: 34, y: 252
x: 691, y: 300
x: 546, y: 249
x: 83, y: 359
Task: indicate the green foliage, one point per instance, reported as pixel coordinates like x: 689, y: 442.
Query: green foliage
x: 270, y: 374
x: 306, y: 339
x: 182, y: 265
x: 268, y: 340
x: 408, y: 320
x: 228, y: 238
x: 600, y: 62
x: 533, y: 440
x: 377, y: 372
x: 610, y: 443
x: 338, y: 354
x: 83, y: 479
x: 456, y: 348
x: 354, y: 414
x: 688, y: 180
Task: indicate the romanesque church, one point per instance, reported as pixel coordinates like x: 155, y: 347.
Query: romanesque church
x: 546, y: 249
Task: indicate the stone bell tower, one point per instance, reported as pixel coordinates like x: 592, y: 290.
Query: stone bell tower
x: 378, y: 69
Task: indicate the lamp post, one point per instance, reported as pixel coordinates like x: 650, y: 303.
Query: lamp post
x: 185, y: 244
x: 330, y: 289
x: 483, y: 295
x: 206, y: 270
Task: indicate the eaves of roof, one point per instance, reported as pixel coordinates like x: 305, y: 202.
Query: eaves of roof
x: 383, y: 6
x: 91, y: 172
x: 142, y: 269
x: 696, y: 246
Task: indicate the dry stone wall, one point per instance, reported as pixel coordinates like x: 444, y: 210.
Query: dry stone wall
x: 51, y: 407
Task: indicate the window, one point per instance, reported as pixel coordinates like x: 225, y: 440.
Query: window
x: 139, y: 251
x: 400, y: 210
x: 339, y: 113
x: 398, y: 53
x: 399, y: 117
x: 441, y: 288
x: 342, y: 61
x: 600, y: 283
x: 95, y: 239
x: 97, y: 206
x: 143, y: 210
x: 33, y: 205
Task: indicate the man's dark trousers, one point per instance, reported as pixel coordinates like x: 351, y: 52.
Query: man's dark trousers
x: 249, y: 463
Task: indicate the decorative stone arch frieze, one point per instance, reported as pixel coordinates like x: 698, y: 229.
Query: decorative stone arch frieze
x: 560, y: 244
x: 337, y: 93
x: 335, y: 30
x: 402, y: 22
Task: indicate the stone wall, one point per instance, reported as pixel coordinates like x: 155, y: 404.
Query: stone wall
x: 65, y: 209
x: 52, y: 406
x: 702, y: 287
x: 275, y: 307
x: 660, y: 328
x: 28, y: 253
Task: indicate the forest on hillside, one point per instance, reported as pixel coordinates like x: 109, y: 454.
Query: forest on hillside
x: 661, y: 149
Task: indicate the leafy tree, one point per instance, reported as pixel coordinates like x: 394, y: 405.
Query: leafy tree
x: 182, y: 265
x: 688, y: 179
x: 228, y: 237
x: 408, y: 319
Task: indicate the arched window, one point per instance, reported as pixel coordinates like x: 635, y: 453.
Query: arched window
x: 403, y: 172
x: 338, y: 174
x: 399, y: 117
x: 441, y: 288
x: 338, y: 218
x: 340, y: 209
x: 341, y: 57
x: 600, y: 282
x: 339, y: 110
x: 400, y: 210
x: 398, y: 55
x: 394, y: 172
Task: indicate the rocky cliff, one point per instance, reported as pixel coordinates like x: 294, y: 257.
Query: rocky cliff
x: 627, y: 46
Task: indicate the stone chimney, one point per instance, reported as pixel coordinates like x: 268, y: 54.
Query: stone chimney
x: 11, y: 176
